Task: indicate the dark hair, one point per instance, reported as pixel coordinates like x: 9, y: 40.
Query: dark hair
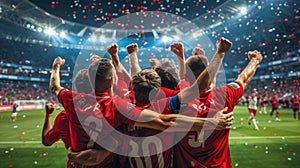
x: 100, y: 72
x: 197, y: 65
x: 81, y: 82
x: 168, y: 74
x: 167, y: 79
x: 144, y: 83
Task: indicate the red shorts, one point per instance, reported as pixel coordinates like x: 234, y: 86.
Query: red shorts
x: 252, y: 111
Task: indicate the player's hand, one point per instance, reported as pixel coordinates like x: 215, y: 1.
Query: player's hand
x: 94, y: 58
x: 178, y: 49
x: 113, y: 49
x: 224, y: 121
x: 255, y: 55
x: 223, y: 45
x: 132, y: 48
x: 58, y: 62
x: 49, y: 108
x: 198, y: 51
x: 72, y: 155
x: 154, y: 62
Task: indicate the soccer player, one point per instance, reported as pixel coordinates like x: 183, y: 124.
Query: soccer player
x: 252, y: 108
x: 93, y: 118
x: 275, y: 106
x: 145, y: 82
x: 263, y: 104
x: 210, y: 148
x: 60, y: 129
x: 14, y: 113
x: 295, y: 102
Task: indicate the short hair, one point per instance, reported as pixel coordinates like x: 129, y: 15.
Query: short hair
x: 81, y: 82
x: 100, y: 71
x: 168, y: 74
x: 196, y: 64
x: 144, y: 83
x: 167, y: 79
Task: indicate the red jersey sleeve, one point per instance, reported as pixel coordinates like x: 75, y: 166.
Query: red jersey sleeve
x: 234, y: 91
x: 125, y: 112
x: 64, y: 97
x: 169, y: 92
x: 184, y: 83
x: 52, y: 135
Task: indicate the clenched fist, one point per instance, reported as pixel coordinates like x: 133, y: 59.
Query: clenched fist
x: 198, y: 51
x: 58, y: 62
x: 178, y: 49
x: 131, y: 48
x: 49, y: 108
x: 255, y: 55
x: 223, y: 45
x: 94, y: 58
x: 112, y: 49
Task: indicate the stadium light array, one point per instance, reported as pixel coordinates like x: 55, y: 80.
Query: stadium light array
x: 243, y: 10
x: 49, y: 31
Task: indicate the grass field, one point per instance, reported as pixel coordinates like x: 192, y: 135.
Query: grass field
x: 277, y: 144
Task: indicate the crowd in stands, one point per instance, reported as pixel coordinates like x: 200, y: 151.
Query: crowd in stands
x: 12, y: 90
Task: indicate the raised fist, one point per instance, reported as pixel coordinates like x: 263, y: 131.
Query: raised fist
x: 255, y: 55
x: 154, y: 62
x: 131, y: 48
x: 58, y: 61
x: 49, y: 108
x: 112, y: 49
x: 94, y: 58
x: 198, y: 51
x: 178, y: 49
x: 223, y: 45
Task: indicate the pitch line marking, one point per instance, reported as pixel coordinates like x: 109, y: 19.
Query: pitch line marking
x: 265, y: 137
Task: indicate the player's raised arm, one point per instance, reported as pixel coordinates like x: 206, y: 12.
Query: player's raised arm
x: 198, y: 51
x: 113, y: 52
x: 247, y: 74
x: 178, y: 123
x: 89, y: 157
x: 205, y: 78
x: 178, y: 50
x: 132, y: 50
x: 47, y: 123
x: 55, y: 78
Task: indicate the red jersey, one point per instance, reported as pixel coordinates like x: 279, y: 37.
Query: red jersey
x: 92, y: 118
x: 155, y: 150
x: 61, y: 131
x: 184, y: 83
x: 207, y: 148
x: 295, y: 101
x: 274, y: 103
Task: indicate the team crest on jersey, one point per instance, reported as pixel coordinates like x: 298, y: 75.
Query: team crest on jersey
x: 234, y: 85
x: 130, y: 106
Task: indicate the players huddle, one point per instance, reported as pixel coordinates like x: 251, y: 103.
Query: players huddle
x: 147, y: 118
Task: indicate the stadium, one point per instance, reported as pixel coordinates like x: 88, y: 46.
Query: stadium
x: 34, y: 33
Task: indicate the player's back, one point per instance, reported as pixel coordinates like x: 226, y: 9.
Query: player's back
x: 207, y: 148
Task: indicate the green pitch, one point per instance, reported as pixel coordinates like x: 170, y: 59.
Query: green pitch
x: 277, y: 144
